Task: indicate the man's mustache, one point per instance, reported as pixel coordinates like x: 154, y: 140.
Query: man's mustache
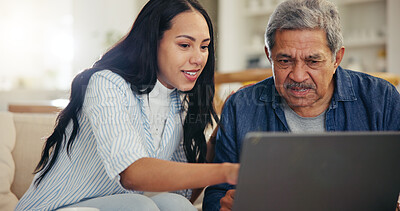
x: 301, y: 85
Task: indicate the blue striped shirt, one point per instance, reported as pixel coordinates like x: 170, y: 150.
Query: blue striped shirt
x: 114, y: 133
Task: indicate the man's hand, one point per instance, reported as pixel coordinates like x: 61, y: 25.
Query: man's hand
x: 227, y: 200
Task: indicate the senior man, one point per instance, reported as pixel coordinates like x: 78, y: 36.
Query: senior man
x: 309, y: 91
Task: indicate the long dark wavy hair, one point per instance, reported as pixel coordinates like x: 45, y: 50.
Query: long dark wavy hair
x: 134, y: 58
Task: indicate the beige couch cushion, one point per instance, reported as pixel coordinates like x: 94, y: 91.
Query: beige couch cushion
x: 7, y: 141
x: 31, y: 130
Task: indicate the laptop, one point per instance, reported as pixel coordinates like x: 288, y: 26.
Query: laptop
x: 326, y: 171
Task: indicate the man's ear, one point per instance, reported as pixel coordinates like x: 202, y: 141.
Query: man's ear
x: 339, y: 56
x: 267, y: 53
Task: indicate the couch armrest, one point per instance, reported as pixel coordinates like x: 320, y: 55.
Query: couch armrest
x: 7, y: 142
x: 31, y: 132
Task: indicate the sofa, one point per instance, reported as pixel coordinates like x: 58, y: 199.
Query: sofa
x: 21, y: 139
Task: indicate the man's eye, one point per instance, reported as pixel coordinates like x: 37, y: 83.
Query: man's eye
x: 314, y: 63
x: 283, y: 61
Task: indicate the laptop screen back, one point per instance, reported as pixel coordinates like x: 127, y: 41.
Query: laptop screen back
x: 327, y: 171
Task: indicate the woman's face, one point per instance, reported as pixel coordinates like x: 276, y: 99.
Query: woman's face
x: 183, y: 51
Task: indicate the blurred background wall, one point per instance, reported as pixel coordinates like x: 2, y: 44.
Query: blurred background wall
x: 45, y: 43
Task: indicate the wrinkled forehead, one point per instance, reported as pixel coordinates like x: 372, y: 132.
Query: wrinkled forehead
x: 301, y: 43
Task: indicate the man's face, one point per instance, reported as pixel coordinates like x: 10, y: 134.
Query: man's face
x: 303, y: 69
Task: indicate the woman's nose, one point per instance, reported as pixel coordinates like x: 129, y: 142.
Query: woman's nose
x: 197, y: 57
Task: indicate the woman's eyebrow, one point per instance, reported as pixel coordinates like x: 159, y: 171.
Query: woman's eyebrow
x: 191, y: 38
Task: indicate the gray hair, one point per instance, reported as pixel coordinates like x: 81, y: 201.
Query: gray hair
x: 306, y: 14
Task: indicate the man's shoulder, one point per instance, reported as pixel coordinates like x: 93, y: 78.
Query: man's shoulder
x: 251, y: 96
x: 352, y: 85
x: 364, y: 77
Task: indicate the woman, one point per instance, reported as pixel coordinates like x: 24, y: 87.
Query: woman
x: 135, y: 118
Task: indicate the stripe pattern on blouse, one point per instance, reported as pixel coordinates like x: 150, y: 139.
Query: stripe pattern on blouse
x: 111, y: 137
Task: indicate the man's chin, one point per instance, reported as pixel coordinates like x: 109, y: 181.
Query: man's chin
x: 299, y: 103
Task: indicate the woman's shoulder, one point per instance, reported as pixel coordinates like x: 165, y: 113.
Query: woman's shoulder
x: 106, y: 77
x: 106, y: 80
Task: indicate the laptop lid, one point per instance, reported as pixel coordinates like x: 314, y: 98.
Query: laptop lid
x: 326, y: 171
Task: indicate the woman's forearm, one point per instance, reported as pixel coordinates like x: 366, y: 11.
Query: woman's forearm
x: 150, y: 174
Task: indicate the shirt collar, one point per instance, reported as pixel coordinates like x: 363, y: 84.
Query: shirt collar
x: 269, y: 93
x: 160, y: 90
x: 344, y: 89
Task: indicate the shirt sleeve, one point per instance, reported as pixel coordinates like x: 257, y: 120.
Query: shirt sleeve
x: 116, y: 128
x: 392, y: 114
x: 226, y: 150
